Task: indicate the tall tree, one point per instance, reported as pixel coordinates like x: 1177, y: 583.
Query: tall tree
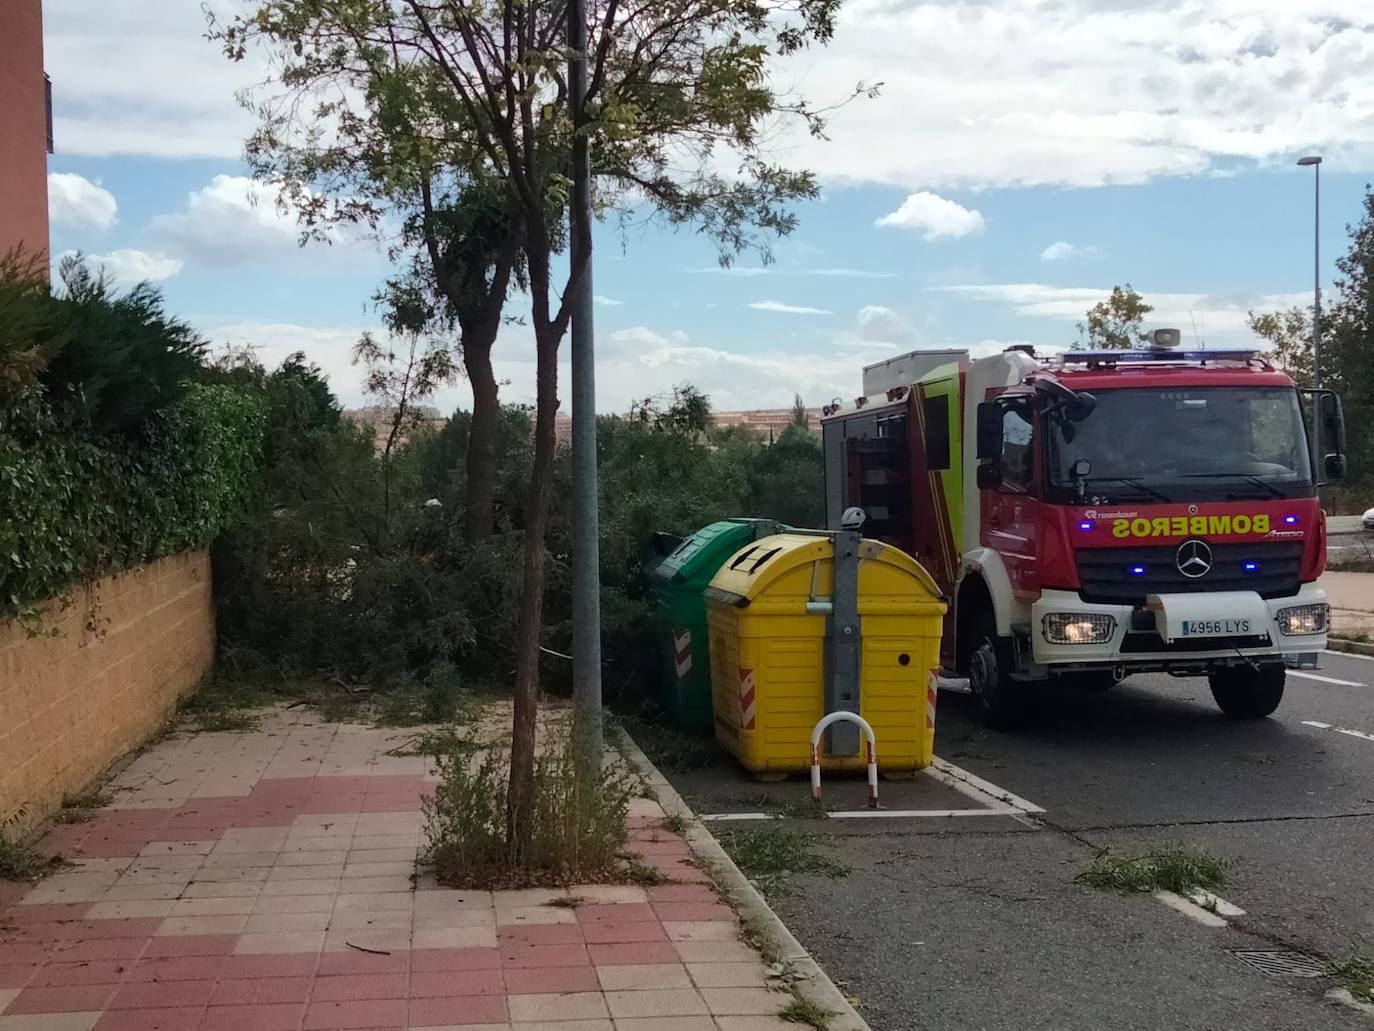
x: 1289, y: 336
x: 1348, y: 345
x: 801, y: 418
x: 478, y: 93
x: 1114, y: 324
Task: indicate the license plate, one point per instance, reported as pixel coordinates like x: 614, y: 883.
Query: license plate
x: 1216, y: 627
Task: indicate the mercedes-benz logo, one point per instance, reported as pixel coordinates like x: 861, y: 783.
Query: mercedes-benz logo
x: 1194, y: 559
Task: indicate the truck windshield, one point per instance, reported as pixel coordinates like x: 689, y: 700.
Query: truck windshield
x: 1178, y: 444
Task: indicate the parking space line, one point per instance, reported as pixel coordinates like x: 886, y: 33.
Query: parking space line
x: 1214, y: 903
x: 1362, y: 735
x: 863, y: 814
x: 975, y: 787
x: 1325, y: 680
x: 1190, y: 909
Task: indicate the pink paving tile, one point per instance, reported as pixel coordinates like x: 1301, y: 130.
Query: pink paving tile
x: 369, y: 1013
x: 94, y: 930
x: 620, y: 934
x: 261, y: 991
x: 108, y: 948
x: 76, y: 998
x: 432, y: 984
x: 540, y: 934
x: 191, y: 945
x: 681, y: 893
x: 178, y: 968
x: 143, y: 995
x: 625, y: 955
x: 542, y: 980
x: 176, y: 1019
x: 543, y: 955
x: 469, y: 1009
x: 279, y: 1017
x: 333, y: 963
x: 23, y: 953
x: 286, y: 964
x: 622, y: 913
x: 359, y: 986
x: 16, y: 975
x: 455, y: 959
x: 46, y: 912
x: 107, y: 971
x: 693, y: 911
x: 674, y: 849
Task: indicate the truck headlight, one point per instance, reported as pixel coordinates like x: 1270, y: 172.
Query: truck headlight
x: 1078, y: 628
x: 1302, y: 619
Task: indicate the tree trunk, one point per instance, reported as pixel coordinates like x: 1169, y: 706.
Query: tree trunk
x: 531, y: 622
x: 480, y: 494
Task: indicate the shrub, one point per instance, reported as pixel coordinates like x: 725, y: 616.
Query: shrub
x: 577, y: 835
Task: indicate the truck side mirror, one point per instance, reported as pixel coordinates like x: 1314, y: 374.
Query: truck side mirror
x: 989, y: 477
x: 1334, y: 466
x: 989, y: 431
x: 1333, y: 423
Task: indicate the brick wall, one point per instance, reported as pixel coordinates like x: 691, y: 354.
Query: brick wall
x: 23, y: 128
x: 70, y: 705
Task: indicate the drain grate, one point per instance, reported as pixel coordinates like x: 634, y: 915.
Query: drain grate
x: 1282, y: 963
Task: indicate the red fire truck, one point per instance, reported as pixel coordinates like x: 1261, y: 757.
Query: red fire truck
x: 1100, y: 513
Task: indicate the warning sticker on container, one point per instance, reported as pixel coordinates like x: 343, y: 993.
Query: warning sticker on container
x: 746, y: 698
x: 932, y: 693
x: 682, y: 659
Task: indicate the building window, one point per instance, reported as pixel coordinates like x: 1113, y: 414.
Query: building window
x: 935, y: 411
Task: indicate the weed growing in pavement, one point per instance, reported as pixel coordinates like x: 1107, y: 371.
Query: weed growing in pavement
x: 769, y: 855
x: 677, y: 823
x: 19, y: 859
x: 804, y: 1011
x: 577, y: 835
x: 1356, y: 972
x: 1177, y: 868
x: 226, y: 704
x: 636, y: 871
x: 671, y: 750
x: 80, y: 808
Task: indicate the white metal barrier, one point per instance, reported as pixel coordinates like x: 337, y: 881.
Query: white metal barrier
x: 845, y: 717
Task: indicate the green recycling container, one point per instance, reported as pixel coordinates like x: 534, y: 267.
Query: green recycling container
x: 677, y: 584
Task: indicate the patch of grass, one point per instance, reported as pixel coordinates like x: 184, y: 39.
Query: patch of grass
x: 769, y: 855
x: 445, y: 740
x: 80, y: 808
x: 20, y: 860
x: 1356, y: 972
x: 1353, y: 635
x: 636, y: 871
x: 677, y: 824
x: 804, y: 1011
x: 226, y: 704
x: 670, y: 749
x: 1177, y: 868
x: 567, y: 902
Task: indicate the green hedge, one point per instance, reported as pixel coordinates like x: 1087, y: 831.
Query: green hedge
x: 76, y: 509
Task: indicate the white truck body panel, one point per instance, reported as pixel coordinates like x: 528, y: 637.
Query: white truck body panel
x: 906, y: 369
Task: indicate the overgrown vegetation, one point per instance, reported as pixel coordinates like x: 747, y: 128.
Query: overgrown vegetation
x: 804, y: 1011
x: 82, y: 807
x: 1178, y: 868
x: 112, y: 451
x: 1355, y: 971
x: 771, y: 854
x: 20, y: 859
x: 577, y: 835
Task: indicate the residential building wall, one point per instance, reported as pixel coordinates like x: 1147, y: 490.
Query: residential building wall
x: 23, y: 128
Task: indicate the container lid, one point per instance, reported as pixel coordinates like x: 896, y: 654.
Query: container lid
x: 701, y: 554
x: 752, y: 570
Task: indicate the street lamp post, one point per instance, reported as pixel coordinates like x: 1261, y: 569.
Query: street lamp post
x: 1314, y: 161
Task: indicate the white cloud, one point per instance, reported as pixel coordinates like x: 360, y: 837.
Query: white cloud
x: 745, y: 271
x: 75, y: 201
x: 1062, y: 250
x: 237, y: 221
x: 788, y: 309
x: 128, y: 267
x: 607, y: 302
x: 850, y: 273
x: 1206, y: 318
x: 883, y: 325
x: 935, y: 217
x: 1076, y: 92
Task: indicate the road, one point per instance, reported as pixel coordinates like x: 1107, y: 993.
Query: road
x: 979, y: 924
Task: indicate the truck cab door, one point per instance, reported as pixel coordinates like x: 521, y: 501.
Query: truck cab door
x: 1008, y: 497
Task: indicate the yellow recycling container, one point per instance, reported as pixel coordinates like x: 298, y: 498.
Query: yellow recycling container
x: 772, y: 615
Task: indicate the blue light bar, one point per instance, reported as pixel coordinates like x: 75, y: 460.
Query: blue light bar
x: 1137, y: 570
x: 1251, y: 567
x: 1161, y: 355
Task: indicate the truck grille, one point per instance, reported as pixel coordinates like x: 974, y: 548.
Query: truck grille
x: 1106, y: 573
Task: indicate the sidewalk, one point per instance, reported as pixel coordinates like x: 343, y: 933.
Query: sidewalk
x: 266, y: 881
x: 1352, y: 601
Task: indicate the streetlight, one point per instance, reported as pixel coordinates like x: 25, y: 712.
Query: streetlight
x: 1315, y: 162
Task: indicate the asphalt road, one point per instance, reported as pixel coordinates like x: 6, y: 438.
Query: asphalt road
x: 978, y: 923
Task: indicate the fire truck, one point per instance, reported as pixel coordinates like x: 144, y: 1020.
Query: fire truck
x: 1095, y: 514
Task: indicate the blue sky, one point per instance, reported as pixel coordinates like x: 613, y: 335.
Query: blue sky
x: 1023, y: 157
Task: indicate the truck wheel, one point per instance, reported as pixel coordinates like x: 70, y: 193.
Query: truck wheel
x: 1003, y: 702
x: 1248, y: 694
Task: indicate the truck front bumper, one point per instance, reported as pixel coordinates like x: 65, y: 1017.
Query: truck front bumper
x: 1150, y: 638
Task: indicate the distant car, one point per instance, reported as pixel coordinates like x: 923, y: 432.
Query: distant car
x: 1369, y: 520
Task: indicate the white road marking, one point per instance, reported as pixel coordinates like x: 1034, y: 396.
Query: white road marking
x: 1325, y: 680
x: 864, y: 814
x: 1214, y: 903
x: 1190, y: 909
x: 1362, y: 735
x: 1351, y: 655
x: 732, y: 817
x: 976, y: 787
